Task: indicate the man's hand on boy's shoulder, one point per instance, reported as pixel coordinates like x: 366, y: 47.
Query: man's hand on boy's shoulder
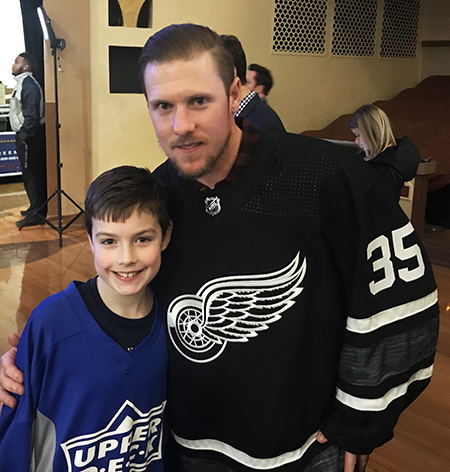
x: 11, y: 378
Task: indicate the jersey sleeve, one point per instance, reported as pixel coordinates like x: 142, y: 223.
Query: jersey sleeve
x: 16, y: 424
x: 392, y: 323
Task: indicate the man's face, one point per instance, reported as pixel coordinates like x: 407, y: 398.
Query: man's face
x: 192, y: 114
x: 250, y: 77
x: 252, y: 85
x: 19, y: 66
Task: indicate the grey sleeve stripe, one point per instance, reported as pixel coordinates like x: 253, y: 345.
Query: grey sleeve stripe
x: 44, y: 443
x: 370, y: 366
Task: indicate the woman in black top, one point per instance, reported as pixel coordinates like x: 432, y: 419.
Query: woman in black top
x: 396, y: 160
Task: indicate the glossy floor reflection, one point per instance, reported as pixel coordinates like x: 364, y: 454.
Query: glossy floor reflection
x: 33, y: 266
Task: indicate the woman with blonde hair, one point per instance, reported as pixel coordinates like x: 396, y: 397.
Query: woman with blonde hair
x: 396, y: 160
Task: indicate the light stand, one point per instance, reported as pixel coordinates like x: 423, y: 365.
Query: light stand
x: 55, y: 44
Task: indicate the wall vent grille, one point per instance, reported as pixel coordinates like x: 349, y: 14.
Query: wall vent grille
x: 300, y: 26
x: 400, y: 29
x: 354, y: 28
x: 347, y: 28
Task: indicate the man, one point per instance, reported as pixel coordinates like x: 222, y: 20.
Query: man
x: 27, y: 120
x: 251, y: 106
x: 259, y: 79
x: 302, y: 309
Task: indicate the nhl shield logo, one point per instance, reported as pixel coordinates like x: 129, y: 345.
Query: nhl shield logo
x: 212, y: 206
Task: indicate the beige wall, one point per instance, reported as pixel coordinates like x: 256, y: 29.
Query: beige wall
x: 313, y: 91
x: 121, y: 129
x: 70, y: 20
x: 436, y: 20
x: 436, y: 61
x: 102, y: 130
x: 436, y: 27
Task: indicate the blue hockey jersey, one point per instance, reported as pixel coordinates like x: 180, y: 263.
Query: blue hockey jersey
x: 89, y: 405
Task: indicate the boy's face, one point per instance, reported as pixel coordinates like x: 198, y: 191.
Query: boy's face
x: 127, y: 255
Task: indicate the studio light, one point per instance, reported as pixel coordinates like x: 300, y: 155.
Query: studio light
x: 42, y: 18
x: 55, y: 44
x: 47, y: 30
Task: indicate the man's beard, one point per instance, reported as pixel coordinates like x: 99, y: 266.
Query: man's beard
x: 20, y: 71
x: 209, y: 167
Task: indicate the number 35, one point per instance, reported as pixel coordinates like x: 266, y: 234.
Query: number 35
x: 401, y: 252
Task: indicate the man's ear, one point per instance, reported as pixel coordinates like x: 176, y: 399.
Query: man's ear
x: 167, y: 236
x: 235, y: 95
x: 259, y: 89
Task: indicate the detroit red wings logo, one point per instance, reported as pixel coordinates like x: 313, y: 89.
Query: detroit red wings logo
x: 232, y: 309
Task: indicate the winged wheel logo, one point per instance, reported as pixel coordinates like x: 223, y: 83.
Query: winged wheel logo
x: 232, y: 309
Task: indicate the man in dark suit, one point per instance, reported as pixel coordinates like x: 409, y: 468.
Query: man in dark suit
x: 251, y: 106
x: 259, y: 79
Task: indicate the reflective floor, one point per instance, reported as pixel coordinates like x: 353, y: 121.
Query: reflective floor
x: 33, y: 266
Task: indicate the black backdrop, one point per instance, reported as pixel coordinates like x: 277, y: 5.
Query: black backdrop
x: 33, y: 35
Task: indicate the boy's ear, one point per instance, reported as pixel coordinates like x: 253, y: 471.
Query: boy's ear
x: 167, y: 236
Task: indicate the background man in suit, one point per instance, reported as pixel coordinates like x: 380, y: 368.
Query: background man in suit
x: 27, y: 120
x: 251, y: 106
x: 259, y: 79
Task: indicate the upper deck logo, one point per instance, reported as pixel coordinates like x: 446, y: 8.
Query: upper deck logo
x: 129, y: 443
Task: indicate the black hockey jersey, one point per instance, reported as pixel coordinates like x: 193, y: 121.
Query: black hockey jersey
x: 300, y: 299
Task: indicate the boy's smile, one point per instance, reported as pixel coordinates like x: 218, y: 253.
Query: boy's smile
x: 127, y: 256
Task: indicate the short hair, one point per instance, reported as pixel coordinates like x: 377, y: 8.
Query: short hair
x: 375, y: 127
x: 30, y: 60
x: 116, y: 193
x: 263, y: 77
x: 236, y: 50
x: 184, y: 42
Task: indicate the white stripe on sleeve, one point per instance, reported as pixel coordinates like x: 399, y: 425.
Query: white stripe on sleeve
x: 380, y: 404
x: 392, y: 315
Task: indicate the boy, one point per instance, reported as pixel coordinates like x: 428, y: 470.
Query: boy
x: 94, y: 356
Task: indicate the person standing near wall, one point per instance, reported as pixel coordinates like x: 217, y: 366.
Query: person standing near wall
x: 251, y: 106
x: 259, y: 79
x: 396, y: 161
x: 28, y: 122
